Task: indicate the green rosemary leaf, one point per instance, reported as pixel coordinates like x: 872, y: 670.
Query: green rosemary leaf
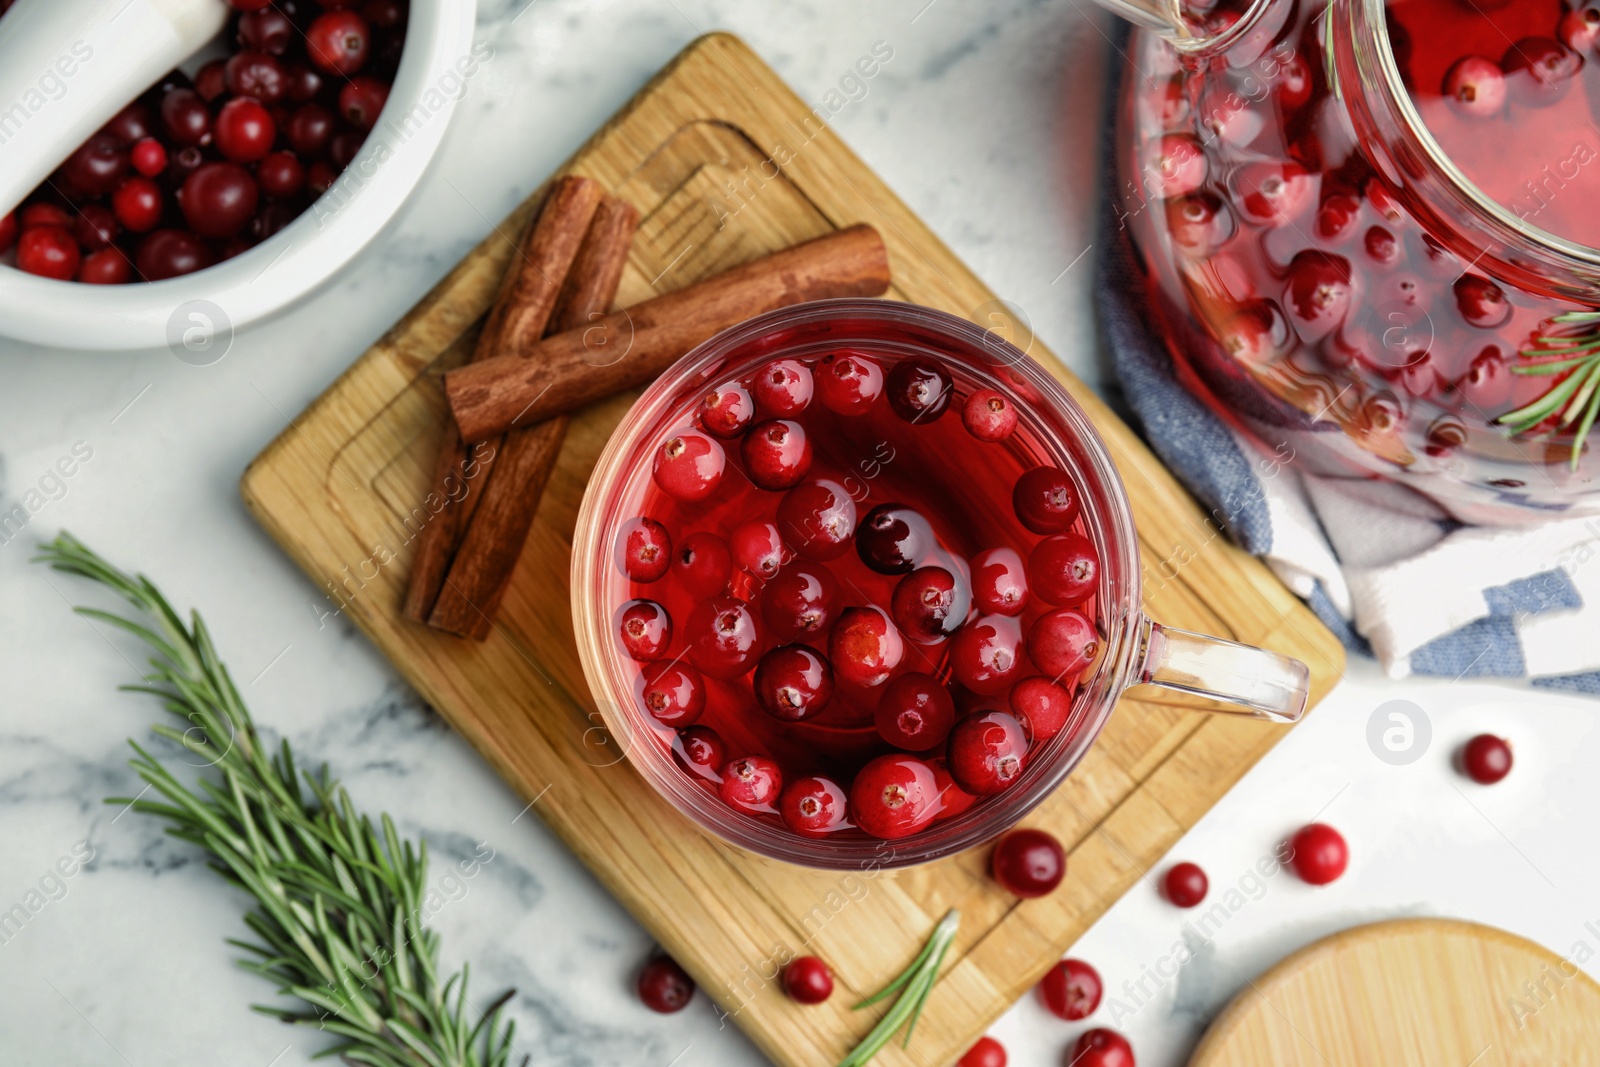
x: 1581, y: 433
x: 917, y: 981
x: 1584, y: 396
x: 1555, y: 367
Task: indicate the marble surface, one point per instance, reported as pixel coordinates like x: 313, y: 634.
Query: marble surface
x: 984, y: 110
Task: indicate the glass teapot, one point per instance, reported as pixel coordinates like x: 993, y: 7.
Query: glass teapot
x: 1369, y: 229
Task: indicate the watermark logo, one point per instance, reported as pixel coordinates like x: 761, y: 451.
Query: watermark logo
x: 199, y: 332
x: 1008, y: 335
x: 1399, y: 732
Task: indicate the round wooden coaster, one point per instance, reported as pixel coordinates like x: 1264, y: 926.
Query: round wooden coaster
x: 1414, y: 992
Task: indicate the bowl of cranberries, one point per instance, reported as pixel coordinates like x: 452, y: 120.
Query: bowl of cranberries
x: 244, y: 179
x: 856, y: 582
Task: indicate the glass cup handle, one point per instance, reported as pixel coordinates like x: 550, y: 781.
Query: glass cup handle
x: 1259, y: 683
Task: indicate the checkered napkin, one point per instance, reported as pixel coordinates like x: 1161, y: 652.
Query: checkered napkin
x: 1384, y: 567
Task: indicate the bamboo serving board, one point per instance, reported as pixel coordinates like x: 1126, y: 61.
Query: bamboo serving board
x: 725, y: 163
x: 1412, y: 993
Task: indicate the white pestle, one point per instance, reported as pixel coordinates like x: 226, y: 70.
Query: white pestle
x: 68, y: 66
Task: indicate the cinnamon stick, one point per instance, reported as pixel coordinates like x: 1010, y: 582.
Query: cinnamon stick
x: 518, y: 318
x: 630, y: 347
x: 494, y: 539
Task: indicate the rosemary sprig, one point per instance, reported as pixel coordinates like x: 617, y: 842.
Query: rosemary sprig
x: 917, y: 982
x: 1577, y: 396
x: 337, y: 901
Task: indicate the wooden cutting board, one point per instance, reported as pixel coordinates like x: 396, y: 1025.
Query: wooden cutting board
x: 1412, y: 993
x: 725, y: 163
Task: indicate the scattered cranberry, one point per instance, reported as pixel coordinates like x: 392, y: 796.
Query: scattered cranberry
x: 1101, y: 1048
x: 989, y: 416
x: 1045, y: 500
x: 793, y: 683
x: 919, y: 389
x: 893, y: 539
x: 1064, y: 569
x: 1481, y: 302
x: 1486, y: 759
x: 727, y: 411
x: 137, y: 204
x: 723, y: 639
x: 1185, y: 884
x: 818, y: 518
x: 702, y: 565
x: 783, y: 388
x: 814, y: 807
x: 808, y: 980
x: 1320, y: 854
x: 95, y: 227
x: 986, y: 1053
x: 169, y: 253
x: 1042, y: 706
x: 757, y: 549
x: 361, y: 100
x: 688, y: 466
x: 645, y: 629
x: 50, y: 252
x: 1029, y: 863
x: 280, y: 175
x: 663, y: 985
x: 700, y: 750
x: 999, y: 581
x: 148, y: 157
x: 1063, y: 643
x: 915, y: 713
x: 674, y: 693
x: 864, y: 646
x: 1477, y: 86
x: 987, y: 753
x: 798, y: 603
x: 1539, y: 70
x: 894, y: 796
x: 848, y: 383
x: 986, y: 655
x: 751, y: 784
x: 776, y: 453
x: 1071, y: 990
x: 338, y: 42
x: 930, y: 604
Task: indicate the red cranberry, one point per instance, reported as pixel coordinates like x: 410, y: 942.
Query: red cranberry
x: 257, y: 75
x: 1176, y: 165
x: 986, y: 655
x: 1382, y: 246
x: 1045, y: 500
x: 989, y: 416
x: 848, y: 383
x: 645, y: 549
x: 818, y: 518
x: 185, y: 117
x: 268, y: 30
x: 1064, y: 569
x: 303, y: 85
x: 1486, y: 759
x: 798, y: 604
x: 758, y: 549
x: 727, y: 411
x: 814, y: 807
x: 645, y: 629
x: 1029, y: 863
x: 1319, y: 853
x: 338, y: 42
x: 343, y: 146
x: 723, y: 639
x: 893, y: 539
x: 1487, y: 383
x: 919, y: 389
x: 109, y: 266
x: 95, y: 227
x: 1294, y: 83
x: 999, y: 581
x: 248, y: 5
x: 1200, y: 223
x: 244, y: 131
x: 777, y: 453
x: 1101, y: 1048
x: 280, y: 174
x: 1336, y: 216
x: 702, y: 565
x: 986, y: 1053
x: 210, y: 82
x: 864, y: 646
x: 218, y: 199
x: 1071, y: 990
x: 385, y: 14
x: 894, y: 796
x: 1255, y: 334
x: 1185, y: 884
x: 137, y: 204
x: 674, y: 693
x: 1539, y: 71
x: 688, y: 466
x: 131, y: 124
x: 751, y: 784
x: 1580, y: 30
x: 1477, y: 87
x: 987, y: 753
x: 1317, y: 293
x: 169, y: 253
x: 793, y: 683
x: 1042, y: 706
x: 663, y: 985
x: 43, y: 213
x: 915, y: 713
x: 930, y: 604
x: 1063, y: 643
x: 148, y: 157
x: 1270, y: 194
x: 309, y: 129
x: 50, y: 252
x: 953, y: 800
x: 361, y: 100
x: 184, y: 162
x: 8, y: 230
x: 808, y: 980
x: 1481, y: 302
x: 97, y: 165
x: 700, y: 751
x: 782, y: 388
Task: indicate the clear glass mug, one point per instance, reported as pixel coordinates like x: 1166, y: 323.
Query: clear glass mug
x: 1052, y: 430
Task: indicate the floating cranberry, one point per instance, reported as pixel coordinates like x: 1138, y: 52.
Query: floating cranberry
x: 137, y: 204
x: 310, y: 127
x: 244, y: 130
x: 1101, y: 1048
x: 108, y: 266
x: 8, y: 230
x: 798, y: 603
x: 170, y: 253
x: 97, y: 165
x: 999, y: 581
x: 864, y: 646
x: 1042, y: 706
x: 893, y: 539
x: 644, y: 549
x: 1063, y: 643
x: 1486, y: 759
x: 919, y: 389
x: 986, y: 1053
x: 1336, y: 216
x: 1029, y: 863
x: 338, y: 42
x: 674, y: 694
x: 95, y: 227
x: 1045, y: 500
x: 1477, y: 87
x: 1185, y: 884
x: 1487, y: 383
x: 987, y: 753
x: 185, y: 117
x: 280, y: 174
x: 723, y: 638
x: 1317, y: 293
x: 930, y: 604
x: 793, y: 683
x: 894, y: 796
x: 751, y: 784
x: 702, y: 565
x: 1200, y: 223
x: 776, y: 453
x: 727, y: 411
x: 268, y: 30
x: 1177, y: 165
x: 1271, y: 194
x: 1294, y: 83
x: 1382, y: 246
x: 783, y: 388
x: 848, y: 383
x: 148, y: 157
x: 1319, y: 853
x: 1064, y: 569
x: 1580, y: 30
x: 361, y: 100
x: 218, y: 199
x: 663, y: 985
x: 645, y: 629
x: 814, y: 807
x: 808, y: 980
x: 700, y: 751
x: 688, y: 466
x: 989, y: 416
x: 915, y: 713
x: 986, y: 655
x: 757, y: 549
x: 953, y: 800
x: 1539, y: 71
x: 50, y: 252
x: 818, y: 518
x: 1071, y: 990
x: 1481, y: 302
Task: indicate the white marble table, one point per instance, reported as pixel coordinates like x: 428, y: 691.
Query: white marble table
x: 985, y: 123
